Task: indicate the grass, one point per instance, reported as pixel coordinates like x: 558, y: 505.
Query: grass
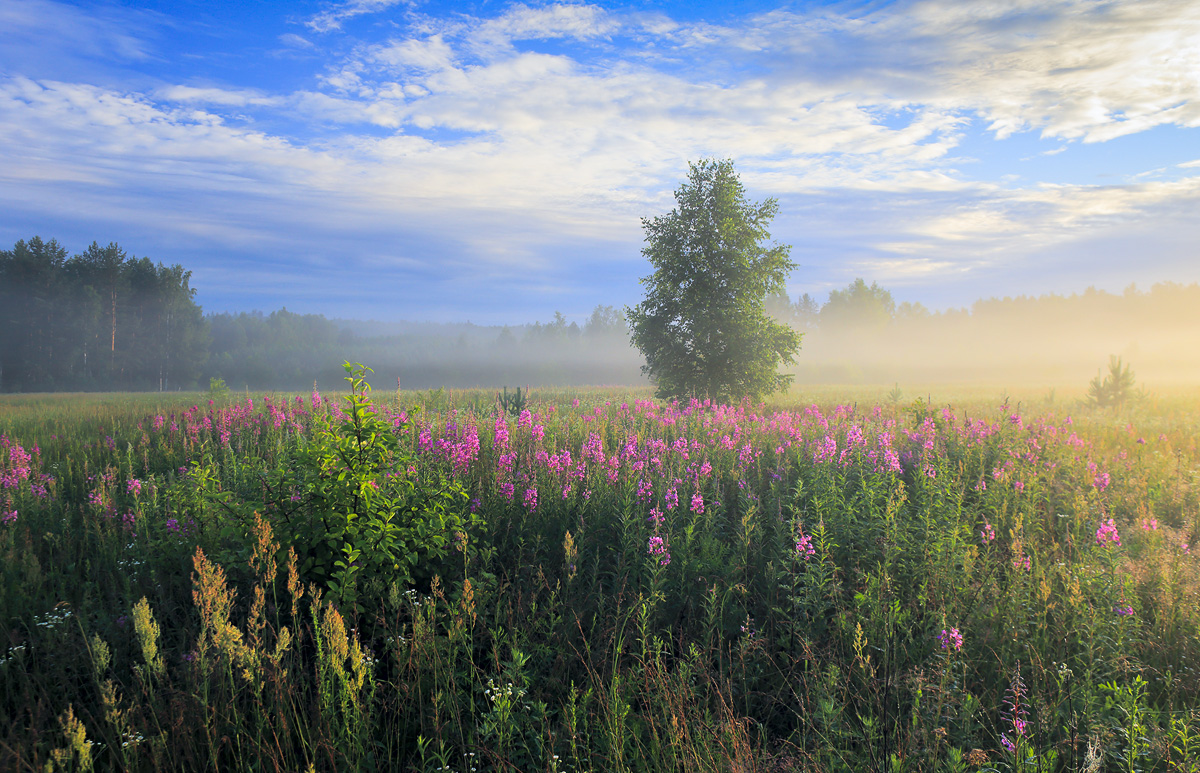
x: 740, y: 588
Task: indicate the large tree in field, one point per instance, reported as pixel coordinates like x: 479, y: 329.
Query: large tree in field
x: 702, y: 327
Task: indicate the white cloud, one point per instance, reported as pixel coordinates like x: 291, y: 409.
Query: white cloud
x: 296, y: 41
x: 216, y: 96
x: 331, y: 18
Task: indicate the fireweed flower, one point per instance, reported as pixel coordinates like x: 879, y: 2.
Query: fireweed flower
x: 1015, y: 709
x: 657, y: 548
x: 531, y: 499
x: 1107, y: 534
x: 951, y: 639
x: 9, y: 518
x: 134, y: 486
x: 988, y: 535
x: 1101, y: 481
x: 1124, y: 610
x: 1149, y: 524
x: 804, y: 547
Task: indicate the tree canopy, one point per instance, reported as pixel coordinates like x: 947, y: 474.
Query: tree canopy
x: 703, y: 327
x: 98, y: 319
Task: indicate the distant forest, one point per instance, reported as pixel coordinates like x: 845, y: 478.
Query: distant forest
x: 105, y: 320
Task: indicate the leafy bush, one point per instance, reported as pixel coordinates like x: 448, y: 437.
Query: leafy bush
x: 351, y: 501
x: 217, y: 389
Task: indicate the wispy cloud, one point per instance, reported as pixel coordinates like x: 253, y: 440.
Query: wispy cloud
x: 332, y: 17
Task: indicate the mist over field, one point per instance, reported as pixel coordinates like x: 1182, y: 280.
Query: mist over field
x: 852, y: 338
x: 102, y: 320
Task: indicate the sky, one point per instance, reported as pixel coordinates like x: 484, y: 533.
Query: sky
x: 492, y: 161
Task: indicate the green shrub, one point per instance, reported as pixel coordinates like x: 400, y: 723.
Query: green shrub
x: 1115, y: 389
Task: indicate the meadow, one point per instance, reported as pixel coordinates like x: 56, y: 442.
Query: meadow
x: 843, y: 579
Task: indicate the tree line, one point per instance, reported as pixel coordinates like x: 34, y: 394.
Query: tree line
x: 105, y: 320
x: 101, y: 319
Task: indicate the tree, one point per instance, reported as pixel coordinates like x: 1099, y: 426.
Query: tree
x: 702, y: 327
x: 858, y: 307
x: 1115, y: 389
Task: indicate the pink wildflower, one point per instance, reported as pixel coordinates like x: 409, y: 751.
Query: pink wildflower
x: 1107, y: 534
x: 657, y: 548
x: 951, y: 639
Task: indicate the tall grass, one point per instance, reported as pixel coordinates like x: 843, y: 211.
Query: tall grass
x: 990, y: 584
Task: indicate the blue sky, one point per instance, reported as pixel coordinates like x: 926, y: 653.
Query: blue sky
x: 491, y: 161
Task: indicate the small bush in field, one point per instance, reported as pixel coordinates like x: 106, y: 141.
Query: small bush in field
x: 1115, y: 389
x: 349, y: 501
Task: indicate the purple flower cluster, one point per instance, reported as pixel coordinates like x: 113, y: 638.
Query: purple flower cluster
x: 804, y: 546
x: 951, y: 639
x: 656, y: 547
x: 1107, y: 534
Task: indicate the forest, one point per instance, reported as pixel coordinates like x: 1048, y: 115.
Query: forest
x: 105, y: 320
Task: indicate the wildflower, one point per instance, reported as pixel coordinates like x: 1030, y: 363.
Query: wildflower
x: 1107, y: 533
x: 951, y: 639
x: 1007, y: 744
x: 698, y: 503
x: 9, y: 518
x: 804, y: 547
x: 657, y: 548
x: 134, y: 486
x: 1149, y: 524
x: 826, y: 449
x: 656, y: 517
x: 988, y: 535
x: 1021, y: 562
x: 1016, y: 711
x: 1101, y: 481
x: 531, y: 499
x: 1124, y: 610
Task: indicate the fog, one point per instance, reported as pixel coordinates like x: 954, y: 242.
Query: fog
x: 149, y: 334
x: 1051, y: 340
x: 855, y: 336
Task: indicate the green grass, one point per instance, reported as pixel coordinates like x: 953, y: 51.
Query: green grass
x: 161, y: 626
